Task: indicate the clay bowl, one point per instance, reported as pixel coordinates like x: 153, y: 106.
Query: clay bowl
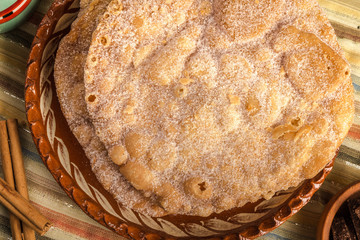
x: 331, y: 208
x: 66, y: 161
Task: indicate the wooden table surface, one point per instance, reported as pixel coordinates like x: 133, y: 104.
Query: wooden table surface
x: 71, y: 223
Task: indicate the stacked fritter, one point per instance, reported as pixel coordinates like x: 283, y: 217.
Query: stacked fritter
x: 198, y: 106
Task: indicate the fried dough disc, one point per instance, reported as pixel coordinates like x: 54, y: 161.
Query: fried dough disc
x: 206, y: 105
x: 69, y: 68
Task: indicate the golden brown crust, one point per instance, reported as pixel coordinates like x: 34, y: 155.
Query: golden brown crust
x: 68, y: 74
x: 246, y: 20
x: 202, y: 114
x: 226, y: 102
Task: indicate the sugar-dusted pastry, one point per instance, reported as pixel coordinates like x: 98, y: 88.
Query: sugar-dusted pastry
x: 206, y: 105
x: 69, y: 81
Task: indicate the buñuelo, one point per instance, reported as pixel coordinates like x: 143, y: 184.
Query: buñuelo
x: 199, y: 106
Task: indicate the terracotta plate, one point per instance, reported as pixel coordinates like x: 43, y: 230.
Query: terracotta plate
x: 67, y: 162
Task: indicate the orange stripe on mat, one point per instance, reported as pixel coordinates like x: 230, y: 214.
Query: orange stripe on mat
x: 354, y: 132
x: 354, y: 135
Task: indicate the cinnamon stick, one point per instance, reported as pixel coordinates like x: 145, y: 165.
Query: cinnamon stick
x: 8, y: 175
x: 19, y: 170
x: 22, y: 208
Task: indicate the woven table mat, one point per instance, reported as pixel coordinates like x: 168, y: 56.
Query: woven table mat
x: 69, y: 220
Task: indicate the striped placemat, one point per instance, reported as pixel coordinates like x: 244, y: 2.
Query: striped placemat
x: 69, y: 220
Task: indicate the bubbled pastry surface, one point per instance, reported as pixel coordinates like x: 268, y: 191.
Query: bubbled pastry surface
x: 69, y: 81
x: 207, y: 105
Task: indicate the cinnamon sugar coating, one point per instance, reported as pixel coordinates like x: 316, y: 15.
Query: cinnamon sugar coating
x: 69, y: 80
x: 207, y: 105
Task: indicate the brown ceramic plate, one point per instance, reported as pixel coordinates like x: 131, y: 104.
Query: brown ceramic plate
x: 351, y: 191
x: 67, y: 162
